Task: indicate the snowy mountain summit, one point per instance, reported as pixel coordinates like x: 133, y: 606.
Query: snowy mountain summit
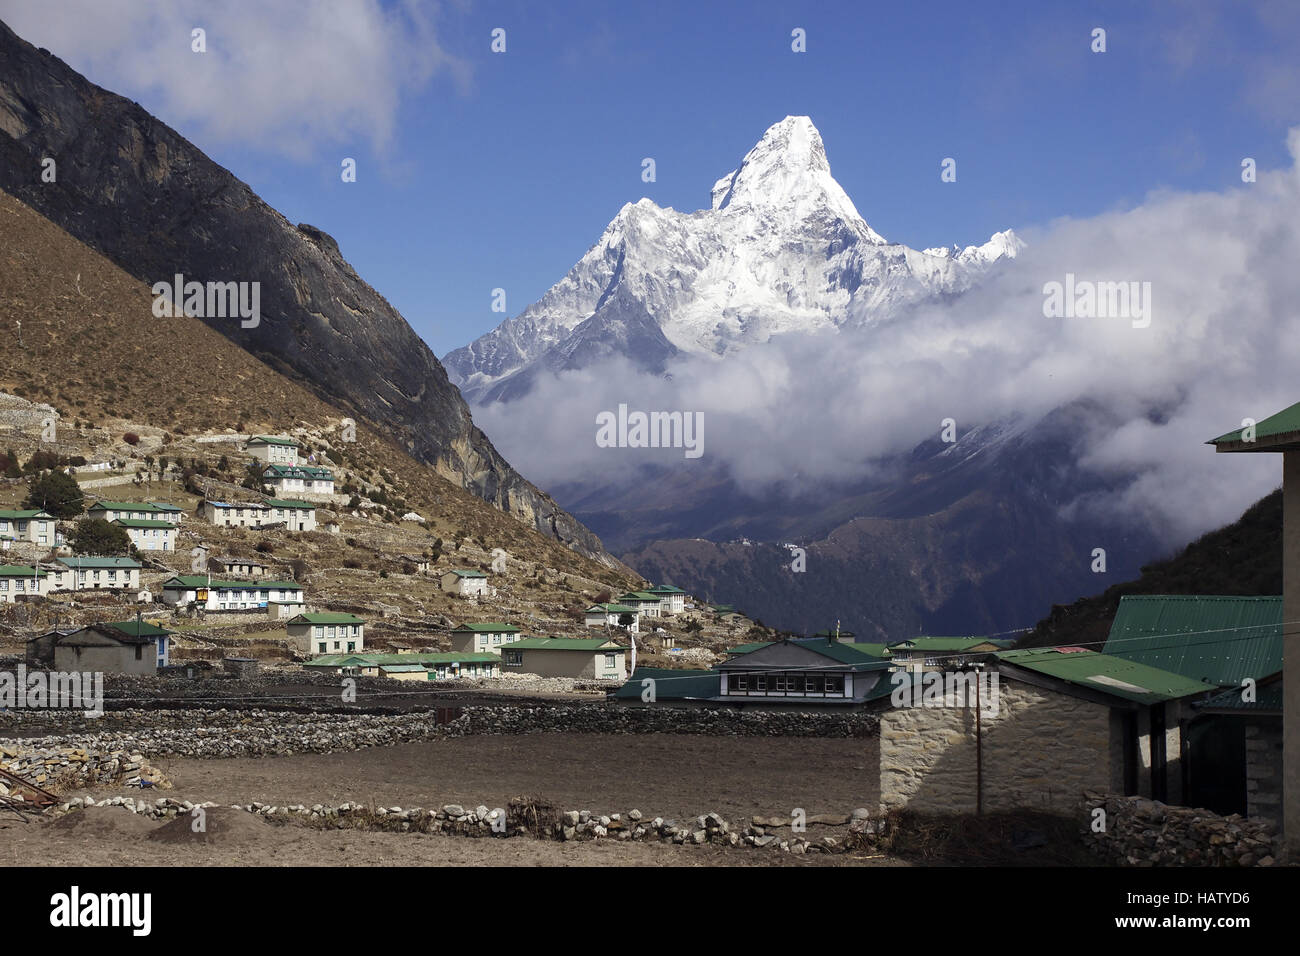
x: 781, y: 250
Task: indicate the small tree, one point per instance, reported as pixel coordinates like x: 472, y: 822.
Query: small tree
x: 97, y: 536
x: 626, y: 620
x: 58, y: 493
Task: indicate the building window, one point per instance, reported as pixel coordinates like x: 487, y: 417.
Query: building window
x: 321, y: 647
x: 835, y: 684
x: 611, y: 661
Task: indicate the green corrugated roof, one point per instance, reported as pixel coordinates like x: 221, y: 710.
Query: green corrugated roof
x: 143, y: 523
x: 939, y: 643
x: 1274, y: 431
x: 613, y: 609
x: 672, y: 684
x: 1268, y: 700
x: 298, y: 471
x: 287, y: 503
x: 488, y: 627
x: 640, y: 596
x: 465, y: 573
x: 127, y: 506
x: 327, y: 617
x: 819, y: 644
x: 19, y: 571
x: 20, y: 515
x: 562, y: 644
x: 1115, y: 676
x: 747, y: 648
x: 273, y: 440
x: 201, y: 581
x: 665, y: 589
x: 80, y: 562
x: 1219, y: 639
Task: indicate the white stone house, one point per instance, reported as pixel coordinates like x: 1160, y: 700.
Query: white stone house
x: 21, y: 581
x: 486, y: 637
x: 34, y: 525
x: 645, y: 603
x: 273, y: 449
x: 135, y: 511
x: 327, y: 632
x: 217, y: 594
x: 299, y: 479
x: 149, y: 535
x: 464, y: 581
x: 671, y: 600
x: 600, y: 615
x: 79, y: 573
x: 294, y: 515
x: 237, y: 567
x: 122, y: 647
x: 591, y: 658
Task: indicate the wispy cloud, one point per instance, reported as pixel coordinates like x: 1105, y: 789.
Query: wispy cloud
x: 287, y: 79
x: 1222, y: 345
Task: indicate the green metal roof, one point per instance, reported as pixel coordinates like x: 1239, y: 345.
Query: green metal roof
x: 143, y: 523
x: 665, y: 589
x: 488, y: 627
x: 1271, y: 434
x: 80, y: 562
x: 288, y: 503
x: 298, y: 471
x: 326, y: 617
x: 819, y: 644
x: 1268, y: 700
x: 613, y: 609
x: 838, y: 651
x: 938, y: 644
x: 465, y: 573
x: 640, y: 596
x: 129, y: 506
x: 21, y: 514
x: 672, y: 684
x: 273, y: 440
x: 201, y: 581
x: 591, y: 644
x: 1109, y: 675
x: 1218, y: 639
x: 747, y: 648
x: 20, y: 571
x: 404, y: 668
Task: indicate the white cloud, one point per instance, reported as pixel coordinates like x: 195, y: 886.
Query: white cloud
x: 1223, y: 345
x: 288, y: 79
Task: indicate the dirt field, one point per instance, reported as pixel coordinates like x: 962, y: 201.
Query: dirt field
x: 659, y: 774
x: 112, y: 836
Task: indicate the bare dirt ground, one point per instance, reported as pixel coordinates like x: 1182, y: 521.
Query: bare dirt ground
x: 659, y: 774
x: 112, y: 836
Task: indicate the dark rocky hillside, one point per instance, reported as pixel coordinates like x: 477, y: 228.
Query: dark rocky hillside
x: 135, y: 190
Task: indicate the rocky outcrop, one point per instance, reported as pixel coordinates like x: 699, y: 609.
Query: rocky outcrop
x: 136, y: 191
x: 1136, y: 831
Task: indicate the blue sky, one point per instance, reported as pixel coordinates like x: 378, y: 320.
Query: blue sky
x: 480, y: 170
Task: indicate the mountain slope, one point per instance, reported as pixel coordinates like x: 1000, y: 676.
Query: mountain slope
x: 1244, y: 557
x: 782, y: 249
x: 132, y: 188
x: 91, y: 348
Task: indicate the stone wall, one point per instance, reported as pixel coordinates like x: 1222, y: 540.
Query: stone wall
x: 61, y: 769
x: 1040, y: 751
x: 1264, y: 770
x: 1135, y: 831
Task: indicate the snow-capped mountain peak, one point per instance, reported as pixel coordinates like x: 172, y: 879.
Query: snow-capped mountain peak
x: 781, y: 250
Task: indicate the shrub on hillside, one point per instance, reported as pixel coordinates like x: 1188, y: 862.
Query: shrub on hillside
x: 131, y: 438
x: 58, y: 493
x: 97, y: 536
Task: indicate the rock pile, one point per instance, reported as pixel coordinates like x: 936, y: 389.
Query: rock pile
x: 72, y: 768
x: 1142, y: 832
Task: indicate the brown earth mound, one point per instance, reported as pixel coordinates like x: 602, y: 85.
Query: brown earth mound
x: 95, y: 823
x: 218, y: 825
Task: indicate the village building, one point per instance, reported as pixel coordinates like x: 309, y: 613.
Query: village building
x: 670, y: 687
x: 237, y: 567
x: 611, y: 615
x: 466, y: 582
x: 643, y: 602
x: 802, y: 672
x: 121, y: 647
x: 272, y: 449
x: 216, y: 594
x: 135, y: 511
x: 1248, y: 728
x: 327, y: 632
x: 418, y: 665
x: 33, y: 525
x: 78, y: 573
x: 591, y: 658
x: 299, y: 479
x: 1280, y: 434
x: 420, y: 564
x: 487, y: 637
x: 294, y: 515
x: 671, y: 600
x: 925, y: 653
x: 19, y: 581
x: 148, y: 535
